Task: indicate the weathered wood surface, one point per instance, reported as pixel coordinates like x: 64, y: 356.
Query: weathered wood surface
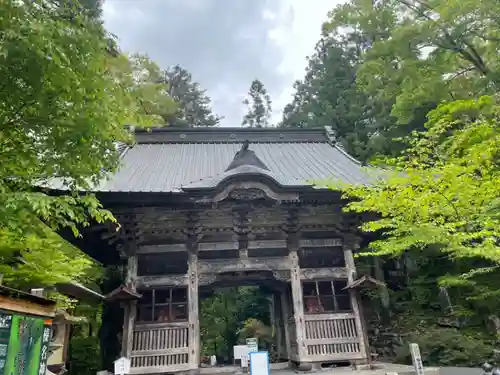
x: 323, y: 273
x: 161, y: 347
x: 26, y: 307
x: 334, y: 337
x: 302, y: 337
x: 298, y: 304
x: 250, y: 264
x: 233, y: 245
x: 353, y: 294
x: 284, y: 304
x: 193, y: 305
x: 130, y: 308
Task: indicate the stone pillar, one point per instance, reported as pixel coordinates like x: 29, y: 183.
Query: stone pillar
x: 130, y: 308
x: 292, y: 228
x: 193, y: 236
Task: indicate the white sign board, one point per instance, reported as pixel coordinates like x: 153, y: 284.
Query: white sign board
x: 122, y: 366
x: 253, y: 345
x: 259, y: 363
x: 416, y: 359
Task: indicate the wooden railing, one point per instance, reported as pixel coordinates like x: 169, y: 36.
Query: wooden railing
x: 332, y: 337
x: 160, y: 348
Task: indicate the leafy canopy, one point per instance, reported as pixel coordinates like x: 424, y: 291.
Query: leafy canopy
x: 62, y: 111
x: 445, y: 189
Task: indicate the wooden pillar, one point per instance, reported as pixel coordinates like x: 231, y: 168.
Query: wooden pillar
x: 193, y: 306
x: 285, y: 315
x: 292, y: 228
x: 193, y: 235
x: 278, y: 318
x: 130, y: 308
x: 298, y: 304
x: 349, y: 245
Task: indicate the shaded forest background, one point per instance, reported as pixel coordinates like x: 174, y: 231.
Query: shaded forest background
x: 411, y: 85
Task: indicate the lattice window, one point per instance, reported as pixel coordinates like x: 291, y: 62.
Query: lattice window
x: 326, y: 297
x: 163, y: 305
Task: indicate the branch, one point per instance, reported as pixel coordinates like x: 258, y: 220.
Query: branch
x: 471, y: 55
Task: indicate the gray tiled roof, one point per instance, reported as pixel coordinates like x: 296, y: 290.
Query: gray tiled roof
x: 168, y: 160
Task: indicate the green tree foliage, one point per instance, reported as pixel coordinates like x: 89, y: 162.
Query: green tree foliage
x: 422, y: 52
x: 193, y: 105
x: 381, y: 66
x: 259, y: 106
x: 90, y: 8
x: 441, y: 207
x: 328, y: 96
x: 446, y: 190
x: 61, y: 114
x: 144, y: 86
x: 223, y: 318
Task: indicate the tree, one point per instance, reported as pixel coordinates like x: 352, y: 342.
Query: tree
x: 442, y: 200
x: 445, y: 191
x: 328, y: 96
x: 193, y: 104
x: 90, y: 8
x: 61, y: 113
x: 423, y: 52
x: 223, y: 317
x: 143, y: 86
x: 259, y: 106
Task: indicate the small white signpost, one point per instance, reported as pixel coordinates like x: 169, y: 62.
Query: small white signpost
x: 259, y: 363
x: 416, y: 359
x: 122, y: 366
x: 253, y: 344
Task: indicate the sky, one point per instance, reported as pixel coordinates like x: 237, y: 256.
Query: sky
x: 224, y: 44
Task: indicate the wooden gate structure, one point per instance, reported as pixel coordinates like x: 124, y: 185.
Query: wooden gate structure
x: 201, y: 208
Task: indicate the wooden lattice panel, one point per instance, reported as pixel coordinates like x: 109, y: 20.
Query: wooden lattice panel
x: 332, y: 337
x: 159, y: 348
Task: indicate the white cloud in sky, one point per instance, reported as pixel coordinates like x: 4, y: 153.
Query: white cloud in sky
x: 225, y: 44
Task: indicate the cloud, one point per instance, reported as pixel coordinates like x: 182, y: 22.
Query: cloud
x: 225, y: 44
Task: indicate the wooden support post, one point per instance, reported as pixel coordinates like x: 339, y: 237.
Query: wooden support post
x: 351, y: 276
x: 298, y: 304
x: 193, y: 306
x: 278, y: 319
x: 292, y: 228
x: 193, y: 236
x: 285, y: 316
x: 130, y: 308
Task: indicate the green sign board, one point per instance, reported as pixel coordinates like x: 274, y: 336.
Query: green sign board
x: 24, y: 344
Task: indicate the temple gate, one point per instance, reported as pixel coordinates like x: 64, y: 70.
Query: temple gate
x: 207, y: 208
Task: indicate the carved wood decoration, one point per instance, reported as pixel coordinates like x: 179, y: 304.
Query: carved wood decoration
x: 250, y: 191
x: 247, y: 194
x: 241, y: 226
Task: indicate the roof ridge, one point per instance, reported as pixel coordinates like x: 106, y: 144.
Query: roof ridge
x: 230, y: 135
